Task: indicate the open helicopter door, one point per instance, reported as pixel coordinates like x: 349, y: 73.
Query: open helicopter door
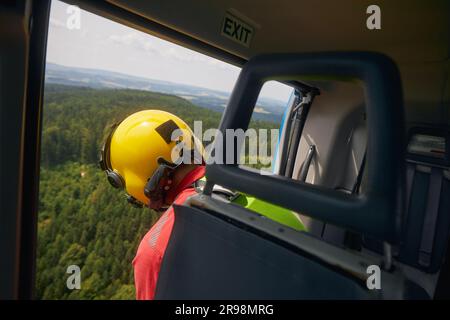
x: 218, y: 250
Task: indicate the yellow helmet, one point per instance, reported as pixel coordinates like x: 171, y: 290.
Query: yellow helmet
x: 141, y: 150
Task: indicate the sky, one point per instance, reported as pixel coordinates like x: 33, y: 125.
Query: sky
x: 103, y: 44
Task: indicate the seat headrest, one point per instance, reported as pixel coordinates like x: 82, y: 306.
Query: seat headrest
x: 376, y: 212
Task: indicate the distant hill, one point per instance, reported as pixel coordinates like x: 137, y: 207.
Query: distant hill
x: 267, y: 109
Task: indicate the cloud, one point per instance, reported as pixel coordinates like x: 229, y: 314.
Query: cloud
x: 133, y: 39
x: 222, y: 65
x: 164, y: 49
x: 57, y: 23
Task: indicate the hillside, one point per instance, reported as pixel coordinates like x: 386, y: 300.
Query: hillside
x: 268, y: 109
x: 82, y: 220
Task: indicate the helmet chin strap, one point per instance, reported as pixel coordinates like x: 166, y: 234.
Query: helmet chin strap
x: 159, y: 184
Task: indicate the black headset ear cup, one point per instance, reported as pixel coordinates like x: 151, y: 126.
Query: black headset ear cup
x: 115, y: 179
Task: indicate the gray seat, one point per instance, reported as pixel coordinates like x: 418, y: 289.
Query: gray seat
x: 426, y: 227
x: 426, y: 230
x: 209, y: 258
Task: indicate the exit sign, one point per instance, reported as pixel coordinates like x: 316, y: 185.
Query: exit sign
x: 237, y: 30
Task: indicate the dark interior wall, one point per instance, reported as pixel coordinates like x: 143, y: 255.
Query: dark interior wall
x: 13, y: 60
x: 23, y: 34
x: 426, y: 89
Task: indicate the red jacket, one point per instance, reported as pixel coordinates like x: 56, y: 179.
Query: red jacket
x: 147, y: 262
